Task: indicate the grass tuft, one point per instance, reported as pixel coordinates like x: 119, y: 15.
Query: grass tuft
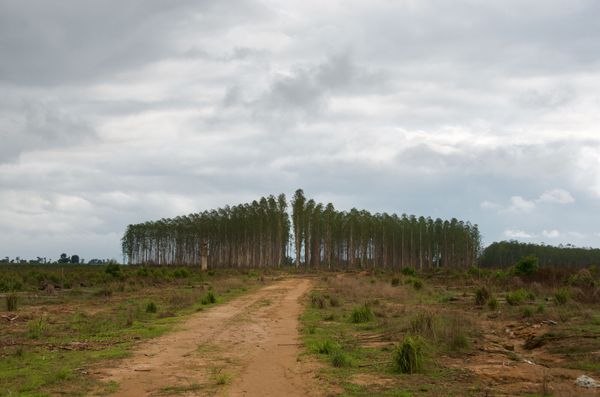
x: 151, y: 307
x: 408, y: 356
x: 362, y: 314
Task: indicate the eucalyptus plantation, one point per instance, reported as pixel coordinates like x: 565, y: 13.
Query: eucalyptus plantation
x: 257, y: 234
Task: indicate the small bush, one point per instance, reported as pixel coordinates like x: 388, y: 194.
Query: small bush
x: 339, y: 359
x: 482, y: 295
x: 11, y: 302
x: 541, y: 308
x: 334, y: 301
x: 395, y: 282
x: 181, y: 273
x: 209, y: 298
x: 318, y: 301
x: 515, y: 298
x: 114, y: 270
x: 527, y: 312
x: 408, y: 357
x: 418, y: 284
x: 151, y: 307
x: 561, y: 296
x: 326, y: 346
x: 493, y: 303
x: 409, y: 271
x: 526, y: 266
x: 362, y: 314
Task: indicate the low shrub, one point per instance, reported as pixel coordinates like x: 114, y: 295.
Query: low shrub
x: 527, y: 312
x: 395, y: 281
x: 326, y: 346
x: 408, y: 356
x: 209, y: 298
x: 482, y: 295
x: 561, y: 296
x: 339, y: 359
x: 515, y: 298
x: 362, y: 314
x: 417, y: 284
x: 493, y: 303
x: 409, y: 271
x: 114, y: 270
x: 318, y: 301
x: 334, y: 301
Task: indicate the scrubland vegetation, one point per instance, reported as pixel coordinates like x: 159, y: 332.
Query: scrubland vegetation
x: 521, y: 331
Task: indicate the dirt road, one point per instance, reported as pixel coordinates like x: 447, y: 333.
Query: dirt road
x: 247, y: 347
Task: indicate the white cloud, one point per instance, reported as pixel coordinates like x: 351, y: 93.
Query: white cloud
x: 516, y: 234
x: 551, y: 233
x: 556, y: 196
x: 519, y: 204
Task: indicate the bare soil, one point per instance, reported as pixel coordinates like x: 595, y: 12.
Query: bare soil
x: 246, y: 347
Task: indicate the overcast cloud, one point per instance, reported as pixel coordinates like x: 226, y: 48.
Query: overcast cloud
x: 119, y: 112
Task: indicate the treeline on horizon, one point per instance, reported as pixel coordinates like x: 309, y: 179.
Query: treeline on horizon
x: 507, y: 253
x: 261, y: 233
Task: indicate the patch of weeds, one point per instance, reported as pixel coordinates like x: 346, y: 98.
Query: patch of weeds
x: 151, y: 307
x: 317, y: 301
x: 482, y: 295
x: 326, y: 346
x: 395, y: 281
x: 408, y: 356
x: 493, y: 303
x: 334, y: 301
x: 540, y: 309
x: 418, y: 284
x: 11, y: 302
x: 222, y: 379
x: 37, y: 328
x: 409, y: 271
x: 104, y: 292
x: 339, y: 359
x: 561, y: 296
x: 311, y: 329
x: 361, y: 314
x: 329, y: 317
x: 527, y: 312
x: 209, y: 298
x: 423, y: 324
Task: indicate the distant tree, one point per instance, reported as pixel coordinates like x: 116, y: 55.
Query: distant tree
x: 527, y: 265
x: 64, y: 258
x: 75, y: 259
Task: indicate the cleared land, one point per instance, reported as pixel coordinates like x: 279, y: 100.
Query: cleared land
x: 248, y: 346
x: 159, y: 331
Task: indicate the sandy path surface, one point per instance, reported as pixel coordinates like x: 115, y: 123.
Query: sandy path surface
x: 246, y: 347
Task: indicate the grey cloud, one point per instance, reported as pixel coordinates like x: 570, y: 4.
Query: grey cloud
x: 152, y: 109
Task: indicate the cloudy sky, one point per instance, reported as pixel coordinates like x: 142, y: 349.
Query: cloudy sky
x: 116, y: 112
